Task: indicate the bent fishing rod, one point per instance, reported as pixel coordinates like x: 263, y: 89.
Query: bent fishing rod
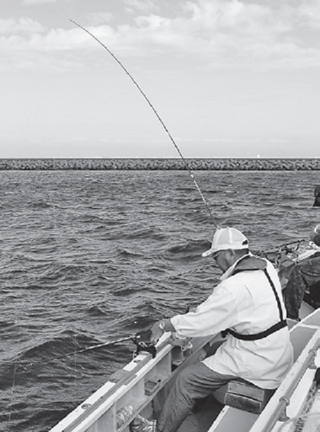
x: 157, y: 115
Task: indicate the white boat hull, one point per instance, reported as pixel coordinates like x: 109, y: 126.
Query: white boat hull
x: 145, y: 382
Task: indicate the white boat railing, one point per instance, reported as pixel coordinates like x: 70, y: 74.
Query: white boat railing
x: 292, y: 393
x: 284, y: 401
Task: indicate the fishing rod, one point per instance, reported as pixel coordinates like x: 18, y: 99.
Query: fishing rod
x: 104, y: 344
x: 140, y: 339
x: 157, y: 115
x: 285, y: 245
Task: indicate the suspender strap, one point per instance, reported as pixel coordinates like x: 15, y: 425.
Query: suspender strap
x: 257, y: 336
x: 281, y: 324
x: 275, y: 293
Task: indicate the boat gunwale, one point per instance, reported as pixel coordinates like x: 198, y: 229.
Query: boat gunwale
x: 97, y: 404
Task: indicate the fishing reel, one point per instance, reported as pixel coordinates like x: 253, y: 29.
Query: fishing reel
x: 283, y: 253
x: 287, y: 255
x: 142, y: 342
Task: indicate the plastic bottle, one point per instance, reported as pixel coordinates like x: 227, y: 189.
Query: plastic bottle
x: 123, y: 415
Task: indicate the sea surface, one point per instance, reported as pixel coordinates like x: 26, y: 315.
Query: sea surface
x: 94, y: 256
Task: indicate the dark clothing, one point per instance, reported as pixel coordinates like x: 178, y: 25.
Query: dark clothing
x: 317, y: 197
x: 194, y: 382
x: 316, y: 201
x: 304, y: 281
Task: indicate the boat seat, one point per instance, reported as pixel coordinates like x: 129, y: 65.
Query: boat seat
x: 243, y: 395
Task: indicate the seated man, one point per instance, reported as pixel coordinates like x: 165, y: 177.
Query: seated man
x: 248, y: 303
x: 304, y: 279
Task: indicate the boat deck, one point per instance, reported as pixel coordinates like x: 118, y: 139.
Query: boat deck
x: 203, y: 417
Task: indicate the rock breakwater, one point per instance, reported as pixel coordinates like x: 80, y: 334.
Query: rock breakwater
x: 161, y: 164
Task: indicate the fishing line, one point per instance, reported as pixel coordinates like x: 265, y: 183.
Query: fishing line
x: 14, y: 376
x: 12, y: 394
x: 157, y: 115
x: 92, y: 347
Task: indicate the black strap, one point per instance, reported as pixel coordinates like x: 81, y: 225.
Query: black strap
x: 252, y: 337
x: 279, y: 325
x: 275, y: 293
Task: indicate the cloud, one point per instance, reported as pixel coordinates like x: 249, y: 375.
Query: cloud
x: 309, y: 13
x: 11, y: 26
x: 98, y: 18
x: 239, y: 33
x: 37, y: 2
x: 145, y: 6
x: 219, y: 33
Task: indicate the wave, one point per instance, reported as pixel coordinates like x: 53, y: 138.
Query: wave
x: 5, y: 325
x: 188, y: 249
x: 96, y: 311
x: 41, y: 205
x: 80, y: 267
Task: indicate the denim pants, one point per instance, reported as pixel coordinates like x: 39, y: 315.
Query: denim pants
x: 194, y: 382
x: 304, y: 277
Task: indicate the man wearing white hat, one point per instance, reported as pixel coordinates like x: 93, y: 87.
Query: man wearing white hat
x: 248, y: 303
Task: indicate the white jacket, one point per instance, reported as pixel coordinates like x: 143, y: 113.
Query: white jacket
x: 245, y: 302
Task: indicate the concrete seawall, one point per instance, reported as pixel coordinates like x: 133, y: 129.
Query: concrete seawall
x: 162, y: 164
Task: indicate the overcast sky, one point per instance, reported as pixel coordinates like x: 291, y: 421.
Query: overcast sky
x: 229, y: 78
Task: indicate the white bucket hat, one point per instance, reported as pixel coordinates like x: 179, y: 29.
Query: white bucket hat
x: 227, y: 238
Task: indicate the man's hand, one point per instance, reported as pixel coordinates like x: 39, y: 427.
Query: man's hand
x: 159, y: 328
x: 156, y: 332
